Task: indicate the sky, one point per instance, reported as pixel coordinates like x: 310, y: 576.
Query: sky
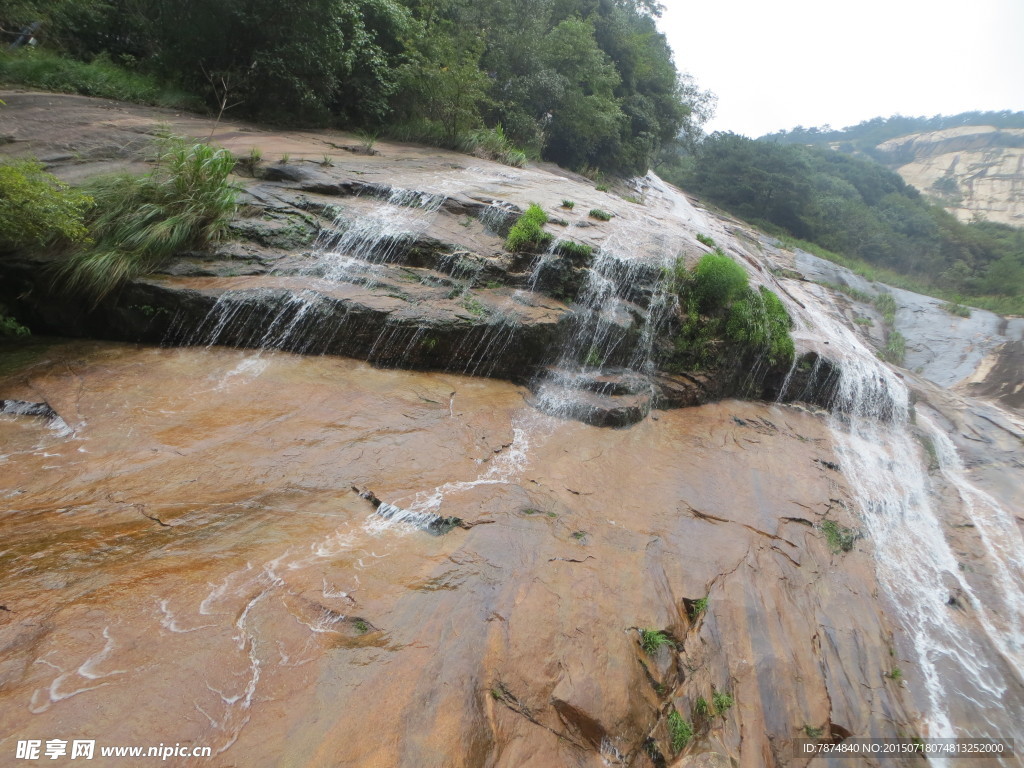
x: 777, y: 64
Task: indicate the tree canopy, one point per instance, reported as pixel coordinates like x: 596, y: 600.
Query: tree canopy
x: 585, y: 83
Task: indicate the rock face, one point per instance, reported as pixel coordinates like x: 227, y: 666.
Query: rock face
x: 294, y: 557
x: 974, y: 170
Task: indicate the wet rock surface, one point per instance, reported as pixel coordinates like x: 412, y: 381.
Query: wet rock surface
x: 231, y: 547
x: 203, y: 571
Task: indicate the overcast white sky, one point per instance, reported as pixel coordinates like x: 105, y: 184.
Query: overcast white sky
x: 781, y: 63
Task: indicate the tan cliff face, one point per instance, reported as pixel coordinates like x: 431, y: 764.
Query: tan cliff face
x: 194, y: 555
x: 972, y: 171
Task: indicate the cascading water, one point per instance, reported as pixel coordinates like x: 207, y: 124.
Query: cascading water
x: 963, y: 672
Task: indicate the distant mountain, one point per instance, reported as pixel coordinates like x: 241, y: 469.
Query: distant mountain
x: 972, y: 164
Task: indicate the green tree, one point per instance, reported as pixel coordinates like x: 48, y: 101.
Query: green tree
x: 37, y: 208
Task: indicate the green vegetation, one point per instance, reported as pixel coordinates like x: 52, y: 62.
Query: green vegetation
x: 955, y: 308
x: 706, y: 240
x: 10, y: 327
x: 137, y: 223
x: 723, y: 311
x: 652, y: 639
x: 100, y: 77
x: 568, y: 204
x: 895, y: 674
x: 527, y: 234
x: 863, y: 321
x: 579, y: 535
x: 597, y: 213
x: 699, y: 606
x: 601, y: 187
x: 723, y: 702
x: 37, y: 208
x: 680, y: 731
x: 840, y: 204
x: 895, y: 348
x: 839, y: 538
x: 813, y: 732
x: 701, y: 708
x: 887, y: 306
x: 577, y: 82
x: 361, y: 626
x: 575, y: 250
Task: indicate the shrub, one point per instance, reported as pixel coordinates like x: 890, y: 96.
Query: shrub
x: 759, y: 322
x: 701, y: 708
x: 568, y: 204
x: 718, y: 281
x: 706, y: 240
x: 36, y: 207
x: 600, y: 215
x: 680, y: 731
x: 527, y: 233
x: 139, y: 222
x: 651, y: 640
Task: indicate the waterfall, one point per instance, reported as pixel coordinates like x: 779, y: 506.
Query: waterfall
x: 965, y: 673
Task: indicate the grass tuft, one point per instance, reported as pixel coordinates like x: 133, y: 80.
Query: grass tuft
x: 680, y: 731
x: 652, y: 639
x: 527, y: 234
x: 137, y: 223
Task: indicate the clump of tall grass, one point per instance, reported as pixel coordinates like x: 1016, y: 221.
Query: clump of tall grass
x: 101, y: 77
x: 137, y: 223
x: 493, y: 144
x: 527, y: 234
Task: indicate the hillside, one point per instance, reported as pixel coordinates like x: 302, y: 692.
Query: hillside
x: 973, y: 171
x: 972, y: 163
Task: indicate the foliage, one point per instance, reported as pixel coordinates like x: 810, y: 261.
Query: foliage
x: 858, y: 208
x: 699, y: 606
x: 839, y: 538
x: 36, y: 207
x: 895, y: 348
x: 895, y: 674
x: 100, y: 77
x: 527, y: 233
x: 651, y: 640
x: 702, y: 708
x: 759, y: 321
x: 575, y: 250
x: 597, y: 213
x: 138, y: 222
x: 706, y: 240
x: 361, y: 626
x: 887, y: 306
x: 493, y: 144
x: 718, y: 282
x: 568, y: 204
x: 955, y: 308
x: 723, y: 702
x: 10, y: 327
x: 680, y: 731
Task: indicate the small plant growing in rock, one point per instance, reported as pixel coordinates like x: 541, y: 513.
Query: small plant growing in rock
x: 527, y: 233
x: 957, y: 309
x: 895, y: 674
x: 597, y: 213
x: 706, y: 240
x: 813, y: 732
x: 568, y: 204
x: 580, y: 536
x: 361, y: 626
x: 723, y: 702
x: 575, y: 250
x: 285, y: 159
x: 839, y: 537
x: 652, y: 639
x: 699, y: 606
x: 680, y: 731
x: 701, y: 708
x: 327, y: 162
x: 601, y: 187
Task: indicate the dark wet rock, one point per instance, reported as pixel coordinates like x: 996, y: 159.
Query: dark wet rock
x: 25, y: 408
